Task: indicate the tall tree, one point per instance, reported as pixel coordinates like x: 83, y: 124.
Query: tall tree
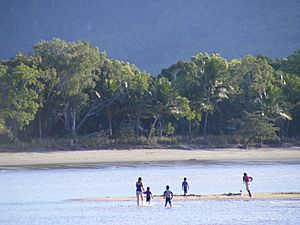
x: 256, y: 126
x: 129, y: 84
x: 250, y: 77
x: 51, y: 102
x: 211, y: 83
x: 19, y: 92
x: 274, y: 104
x: 290, y: 87
x: 182, y: 75
x: 165, y: 101
x: 76, y: 65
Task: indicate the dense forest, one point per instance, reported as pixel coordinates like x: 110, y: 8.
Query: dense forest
x: 68, y: 90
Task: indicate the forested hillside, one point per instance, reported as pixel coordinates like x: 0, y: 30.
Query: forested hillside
x: 154, y: 34
x: 70, y: 89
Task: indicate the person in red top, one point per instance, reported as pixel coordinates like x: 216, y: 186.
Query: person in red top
x: 247, y: 179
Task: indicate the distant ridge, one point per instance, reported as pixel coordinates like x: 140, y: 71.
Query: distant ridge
x: 154, y: 34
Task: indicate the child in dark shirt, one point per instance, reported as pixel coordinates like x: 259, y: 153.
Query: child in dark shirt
x: 148, y: 195
x: 185, y: 186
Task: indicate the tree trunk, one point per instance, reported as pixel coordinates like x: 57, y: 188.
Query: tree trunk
x: 138, y: 123
x: 160, y: 128
x: 70, y: 118
x: 15, y: 133
x: 66, y: 117
x: 40, y: 126
x: 110, y: 125
x: 261, y: 143
x: 281, y: 130
x: 190, y: 129
x: 73, y: 115
x: 287, y: 127
x: 248, y: 141
x: 152, y: 127
x: 205, y: 123
x: 46, y: 127
x: 97, y: 108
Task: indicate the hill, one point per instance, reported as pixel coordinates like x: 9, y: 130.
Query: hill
x: 154, y: 34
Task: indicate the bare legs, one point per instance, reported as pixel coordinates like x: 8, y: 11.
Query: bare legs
x: 249, y: 192
x: 138, y: 197
x: 248, y: 189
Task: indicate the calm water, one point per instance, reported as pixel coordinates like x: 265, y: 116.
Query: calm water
x: 29, y: 197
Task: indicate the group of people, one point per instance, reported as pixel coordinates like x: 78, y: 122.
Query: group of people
x: 168, y: 194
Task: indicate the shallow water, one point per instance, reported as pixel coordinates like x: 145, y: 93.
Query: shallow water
x: 30, y: 197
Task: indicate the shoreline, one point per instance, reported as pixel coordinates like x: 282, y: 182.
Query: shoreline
x: 146, y: 157
x: 208, y: 197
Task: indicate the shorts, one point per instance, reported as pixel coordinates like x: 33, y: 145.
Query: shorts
x: 168, y: 200
x: 139, y: 193
x: 248, y: 186
x: 184, y: 190
x: 148, y: 198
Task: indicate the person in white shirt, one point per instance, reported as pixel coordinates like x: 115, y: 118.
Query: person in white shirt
x: 168, y: 195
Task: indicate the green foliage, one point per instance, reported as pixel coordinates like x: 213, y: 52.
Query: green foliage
x: 70, y: 89
x: 182, y: 109
x: 291, y: 64
x: 256, y: 126
x: 3, y: 127
x: 76, y: 65
x: 211, y: 84
x: 274, y: 104
x: 251, y: 76
x: 19, y: 93
x: 169, y: 129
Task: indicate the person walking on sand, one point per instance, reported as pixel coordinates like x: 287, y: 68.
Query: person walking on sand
x: 246, y: 180
x: 148, y: 195
x: 185, y: 187
x: 168, y: 195
x: 139, y: 191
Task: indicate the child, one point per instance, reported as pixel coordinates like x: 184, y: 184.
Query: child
x: 168, y: 195
x: 247, y: 179
x: 185, y: 187
x: 148, y: 195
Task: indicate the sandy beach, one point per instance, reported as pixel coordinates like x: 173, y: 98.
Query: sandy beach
x: 198, y: 197
x: 140, y: 157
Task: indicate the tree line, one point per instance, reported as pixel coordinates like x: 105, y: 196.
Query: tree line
x: 71, y: 88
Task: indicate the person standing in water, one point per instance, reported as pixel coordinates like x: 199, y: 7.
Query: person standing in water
x: 168, y: 195
x: 246, y: 180
x: 139, y: 191
x: 185, y: 187
x: 148, y: 195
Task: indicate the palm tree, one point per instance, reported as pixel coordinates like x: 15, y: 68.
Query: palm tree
x: 273, y: 104
x: 165, y: 101
x: 211, y: 85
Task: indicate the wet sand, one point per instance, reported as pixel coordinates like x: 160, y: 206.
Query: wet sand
x: 198, y: 197
x: 139, y: 157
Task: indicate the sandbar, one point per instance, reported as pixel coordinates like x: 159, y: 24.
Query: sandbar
x: 198, y: 197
